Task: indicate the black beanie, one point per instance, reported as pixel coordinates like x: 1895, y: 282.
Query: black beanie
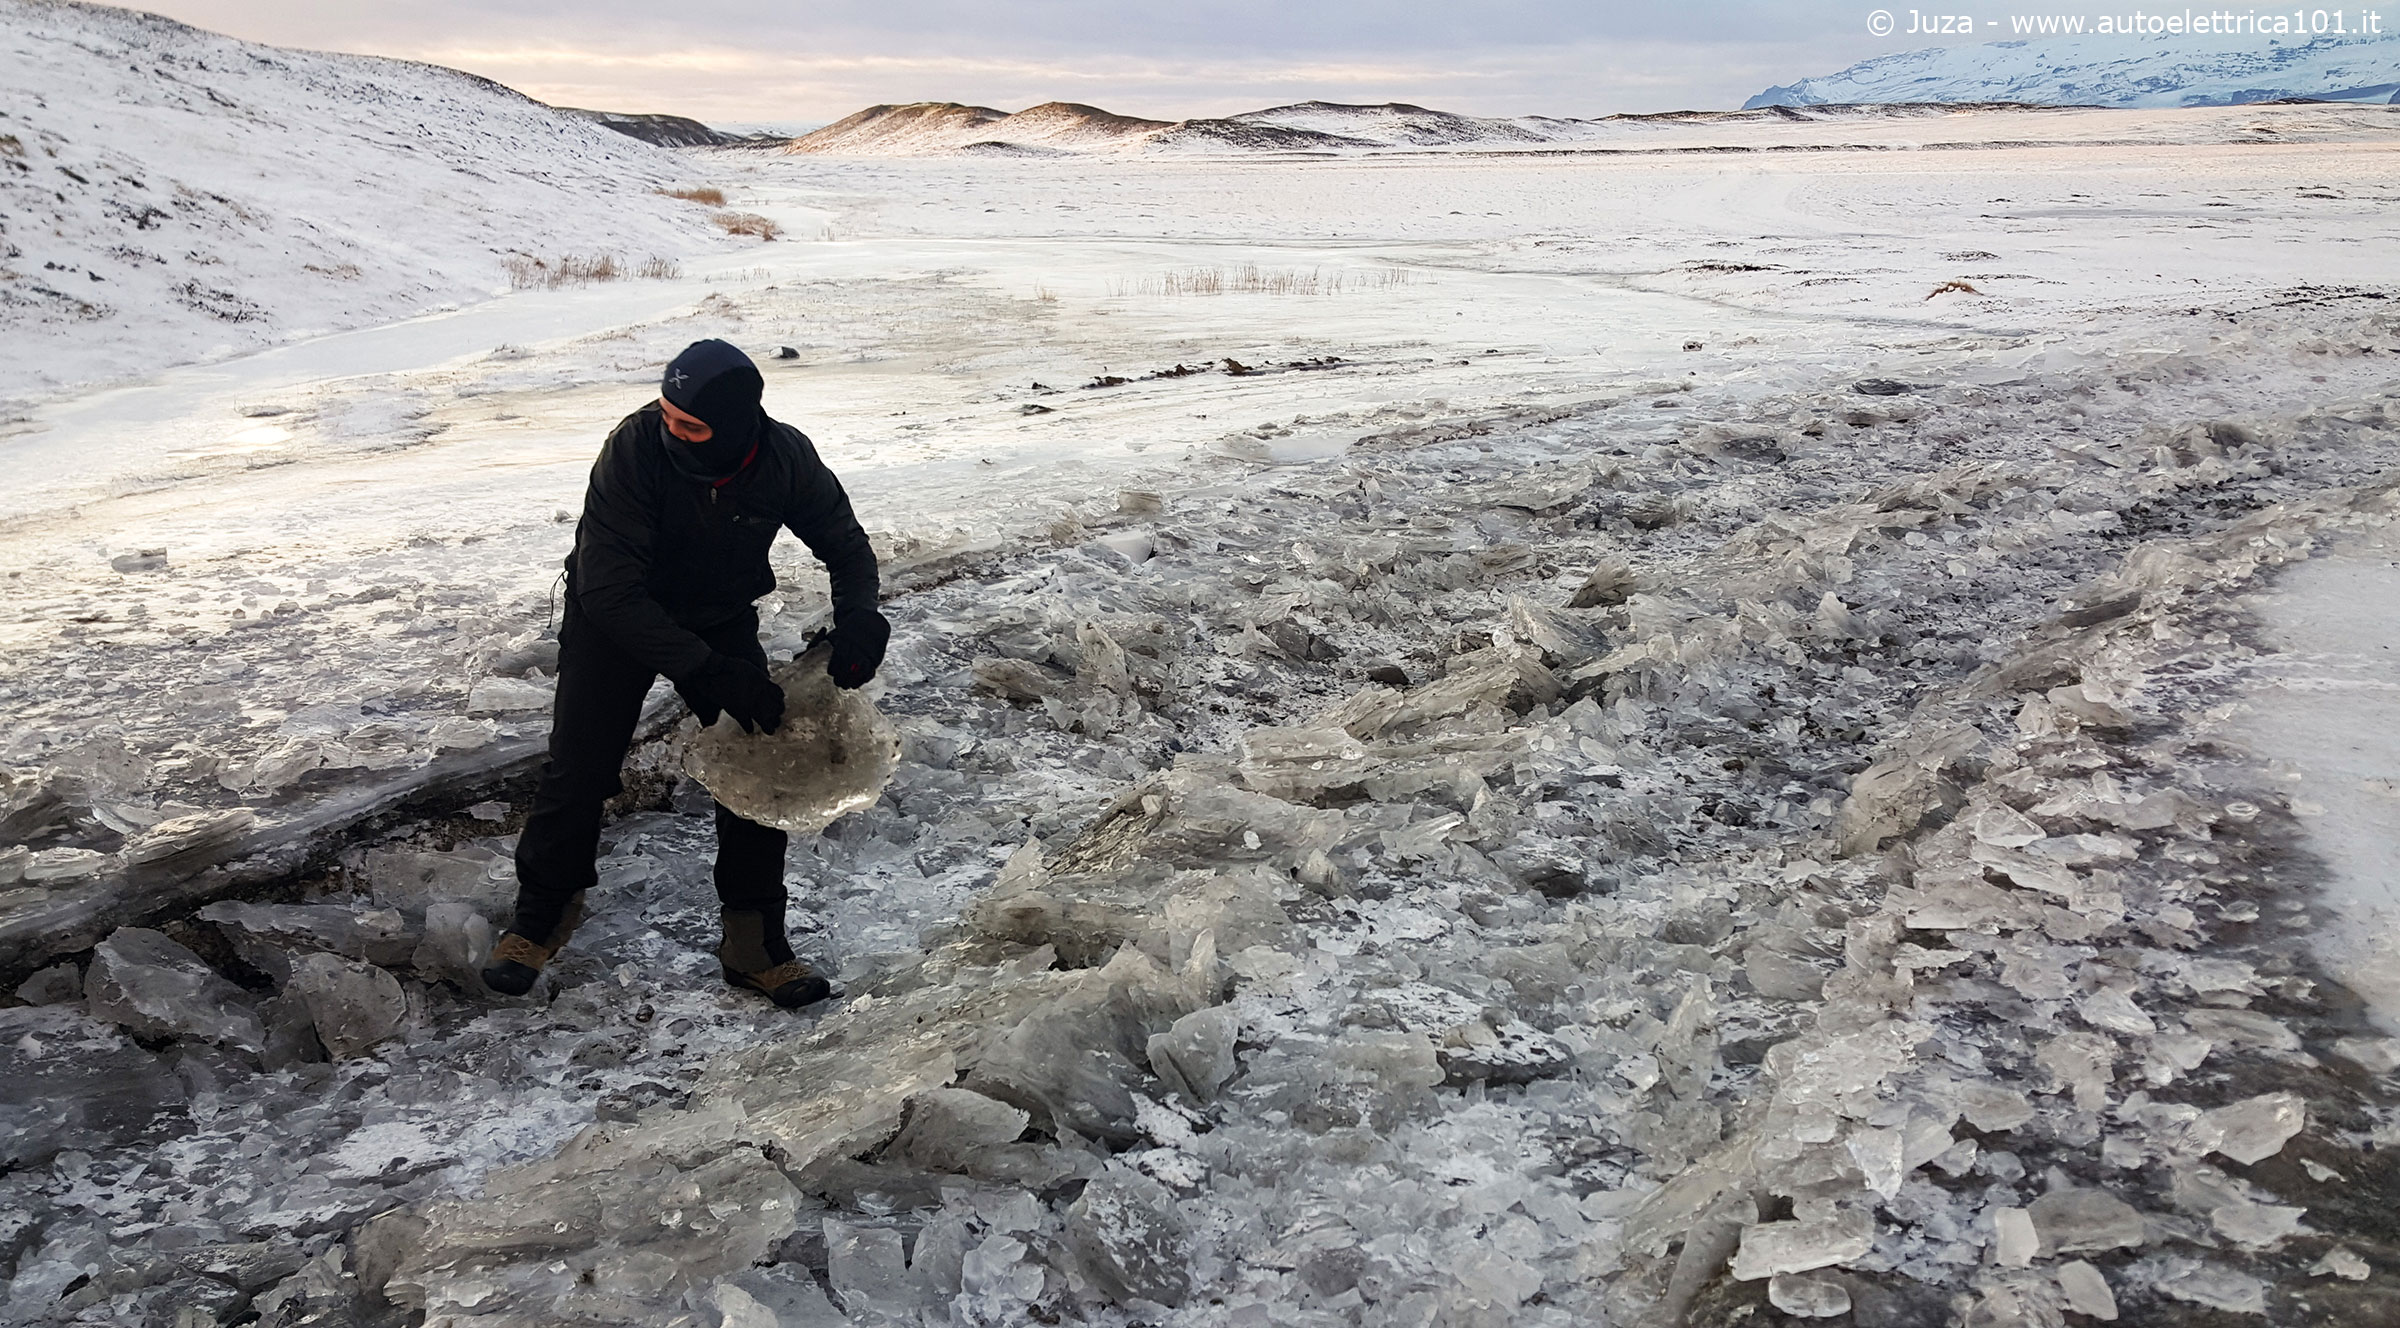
x: 717, y: 384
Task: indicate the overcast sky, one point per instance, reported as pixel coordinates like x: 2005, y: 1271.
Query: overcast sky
x: 730, y: 62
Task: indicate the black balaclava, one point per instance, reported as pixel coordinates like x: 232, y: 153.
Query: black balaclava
x: 715, y: 382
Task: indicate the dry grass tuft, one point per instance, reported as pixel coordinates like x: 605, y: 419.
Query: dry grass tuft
x: 706, y: 194
x: 748, y: 223
x: 1954, y: 288
x: 1251, y: 279
x: 526, y: 272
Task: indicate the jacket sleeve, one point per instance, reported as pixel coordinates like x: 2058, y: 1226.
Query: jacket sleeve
x: 820, y: 515
x: 613, y: 546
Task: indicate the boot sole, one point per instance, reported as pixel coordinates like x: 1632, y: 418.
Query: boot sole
x: 790, y: 996
x: 510, y: 978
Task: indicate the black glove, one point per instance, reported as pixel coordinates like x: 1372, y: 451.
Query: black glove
x: 736, y: 687
x: 703, y: 709
x: 858, y: 643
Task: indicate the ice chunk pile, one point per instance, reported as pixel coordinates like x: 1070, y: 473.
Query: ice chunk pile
x: 1510, y: 935
x: 1339, y: 915
x: 2066, y: 876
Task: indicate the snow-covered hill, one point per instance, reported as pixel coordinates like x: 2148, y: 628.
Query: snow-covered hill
x: 667, y: 131
x: 903, y: 130
x: 1064, y: 126
x: 934, y: 127
x: 167, y: 194
x: 929, y: 128
x: 2097, y: 70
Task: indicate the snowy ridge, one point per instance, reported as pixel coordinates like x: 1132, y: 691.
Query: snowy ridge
x: 1054, y: 128
x: 928, y: 128
x: 168, y: 194
x: 931, y: 128
x: 2096, y: 70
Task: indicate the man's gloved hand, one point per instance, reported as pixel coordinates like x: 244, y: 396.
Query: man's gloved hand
x: 736, y: 687
x: 703, y: 708
x: 858, y: 643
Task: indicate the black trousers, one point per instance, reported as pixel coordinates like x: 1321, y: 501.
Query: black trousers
x: 600, y: 691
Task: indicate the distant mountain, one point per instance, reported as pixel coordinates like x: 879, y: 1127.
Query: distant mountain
x: 2095, y: 70
x: 926, y: 128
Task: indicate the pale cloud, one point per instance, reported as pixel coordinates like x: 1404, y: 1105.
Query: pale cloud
x: 762, y: 84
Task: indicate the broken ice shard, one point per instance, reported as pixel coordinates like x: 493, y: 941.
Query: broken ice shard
x: 1195, y: 1054
x: 2086, y: 1290
x: 832, y: 755
x: 2253, y: 1129
x: 2074, y: 1220
x: 1130, y: 1239
x: 947, y: 1127
x: 270, y: 936
x: 1807, y: 1296
x: 156, y: 988
x: 2342, y: 1263
x: 1772, y: 1248
x: 868, y: 1271
x: 456, y: 944
x: 353, y: 1005
x: 2212, y: 1285
x: 2014, y: 1241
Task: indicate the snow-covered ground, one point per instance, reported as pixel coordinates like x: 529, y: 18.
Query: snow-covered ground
x: 169, y: 195
x: 2326, y: 715
x: 1575, y: 739
x: 2125, y: 69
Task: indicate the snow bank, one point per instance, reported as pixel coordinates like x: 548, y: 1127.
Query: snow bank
x: 170, y: 194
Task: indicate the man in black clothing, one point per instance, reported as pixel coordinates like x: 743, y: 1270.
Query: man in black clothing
x: 669, y: 558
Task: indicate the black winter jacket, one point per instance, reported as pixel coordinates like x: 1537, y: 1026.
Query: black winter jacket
x: 660, y: 553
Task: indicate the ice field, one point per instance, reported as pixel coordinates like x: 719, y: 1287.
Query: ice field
x: 1734, y: 723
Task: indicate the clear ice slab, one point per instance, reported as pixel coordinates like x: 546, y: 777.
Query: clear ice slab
x: 832, y: 755
x: 156, y: 988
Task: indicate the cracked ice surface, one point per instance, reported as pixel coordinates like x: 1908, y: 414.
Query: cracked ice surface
x: 1761, y: 854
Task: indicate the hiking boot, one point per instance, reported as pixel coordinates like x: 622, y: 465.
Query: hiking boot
x: 517, y: 960
x: 756, y: 957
